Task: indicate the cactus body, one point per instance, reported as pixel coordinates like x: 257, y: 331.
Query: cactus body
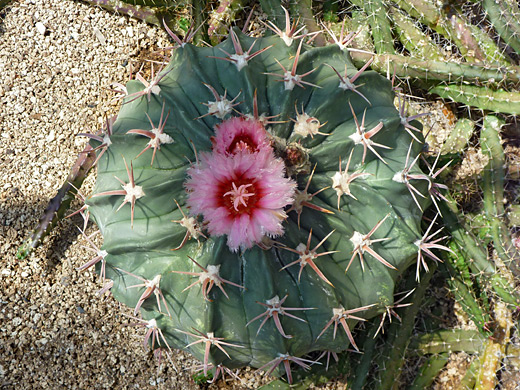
x: 504, y: 16
x: 368, y: 224
x: 481, y: 97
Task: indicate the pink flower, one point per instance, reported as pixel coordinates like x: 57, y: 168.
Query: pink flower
x: 240, y: 135
x: 241, y: 195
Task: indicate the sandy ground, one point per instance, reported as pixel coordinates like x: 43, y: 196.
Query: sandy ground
x: 57, y: 60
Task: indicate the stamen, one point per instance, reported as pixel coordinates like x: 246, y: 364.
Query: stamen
x: 239, y: 195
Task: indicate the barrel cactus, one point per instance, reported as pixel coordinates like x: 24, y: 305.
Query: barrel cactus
x: 258, y: 199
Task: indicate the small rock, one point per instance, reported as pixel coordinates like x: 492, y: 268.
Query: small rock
x: 51, y: 136
x: 99, y: 36
x: 19, y: 107
x: 41, y: 28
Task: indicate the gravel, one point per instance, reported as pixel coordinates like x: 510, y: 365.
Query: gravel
x: 58, y: 59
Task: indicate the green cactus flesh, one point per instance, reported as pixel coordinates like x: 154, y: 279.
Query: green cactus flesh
x: 142, y: 245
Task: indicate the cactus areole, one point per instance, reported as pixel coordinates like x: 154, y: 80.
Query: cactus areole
x: 249, y: 209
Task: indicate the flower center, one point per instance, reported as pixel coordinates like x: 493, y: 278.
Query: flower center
x: 242, y: 142
x: 241, y: 196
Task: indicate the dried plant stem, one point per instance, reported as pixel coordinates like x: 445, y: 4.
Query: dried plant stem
x: 60, y: 203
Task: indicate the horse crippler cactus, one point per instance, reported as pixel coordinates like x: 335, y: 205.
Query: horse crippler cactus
x: 257, y: 200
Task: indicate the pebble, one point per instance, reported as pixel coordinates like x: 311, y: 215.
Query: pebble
x: 40, y: 28
x: 99, y: 36
x: 51, y: 136
x: 20, y: 108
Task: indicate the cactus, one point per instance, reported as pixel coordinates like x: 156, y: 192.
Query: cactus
x: 493, y: 188
x: 392, y: 357
x: 481, y: 97
x: 449, y: 23
x: 429, y: 371
x: 458, y: 137
x: 486, y: 67
x: 409, y: 67
x: 220, y: 18
x: 417, y: 43
x: 439, y: 345
x: 464, y: 290
x: 472, y: 249
x: 505, y: 17
x: 268, y: 286
x: 452, y: 340
x: 491, y: 358
x: 377, y: 12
